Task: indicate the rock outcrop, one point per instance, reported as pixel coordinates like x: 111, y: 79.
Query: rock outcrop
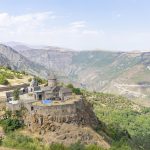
x: 78, y: 113
x: 66, y: 127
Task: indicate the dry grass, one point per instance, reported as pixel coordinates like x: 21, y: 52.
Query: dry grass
x: 17, y: 81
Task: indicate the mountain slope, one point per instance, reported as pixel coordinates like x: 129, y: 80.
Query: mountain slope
x: 97, y: 70
x: 9, y: 57
x: 121, y: 115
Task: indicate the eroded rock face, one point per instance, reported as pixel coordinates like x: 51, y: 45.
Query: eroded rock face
x: 79, y: 113
x: 66, y: 128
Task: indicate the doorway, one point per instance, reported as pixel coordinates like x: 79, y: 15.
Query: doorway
x: 40, y: 97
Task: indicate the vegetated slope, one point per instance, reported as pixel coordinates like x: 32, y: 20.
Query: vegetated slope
x: 99, y: 70
x: 13, y: 77
x: 18, y: 62
x: 122, y: 119
x: 10, y: 80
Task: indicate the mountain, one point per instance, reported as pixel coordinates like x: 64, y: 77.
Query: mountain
x: 10, y: 57
x: 125, y: 73
x: 19, y: 46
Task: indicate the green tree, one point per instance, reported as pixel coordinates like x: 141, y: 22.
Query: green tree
x: 77, y: 91
x: 3, y: 80
x: 10, y: 124
x: 70, y: 86
x: 16, y: 94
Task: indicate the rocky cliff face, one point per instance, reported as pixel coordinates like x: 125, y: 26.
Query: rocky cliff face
x: 66, y: 128
x: 78, y: 113
x: 58, y: 61
x: 9, y: 57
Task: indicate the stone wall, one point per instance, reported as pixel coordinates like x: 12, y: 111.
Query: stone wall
x: 78, y: 113
x: 66, y: 109
x: 13, y: 107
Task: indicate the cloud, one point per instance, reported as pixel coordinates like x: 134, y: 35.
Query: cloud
x: 78, y: 24
x: 40, y: 28
x: 23, y: 22
x: 82, y: 28
x: 47, y: 28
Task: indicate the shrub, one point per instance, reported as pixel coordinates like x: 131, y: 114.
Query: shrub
x: 8, y: 75
x: 57, y: 146
x: 70, y: 86
x: 3, y: 80
x: 19, y: 76
x: 8, y: 113
x: 30, y: 79
x: 14, y: 140
x: 8, y: 67
x: 77, y: 91
x: 93, y: 147
x: 23, y: 72
x: 16, y: 94
x: 120, y: 145
x: 40, y: 81
x: 10, y: 124
x: 77, y: 146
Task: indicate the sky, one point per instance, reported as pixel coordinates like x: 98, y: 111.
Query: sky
x: 77, y: 24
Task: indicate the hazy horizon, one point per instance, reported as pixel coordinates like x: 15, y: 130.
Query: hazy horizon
x: 16, y: 43
x: 106, y: 25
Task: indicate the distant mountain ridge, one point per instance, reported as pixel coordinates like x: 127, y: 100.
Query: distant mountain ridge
x: 106, y: 71
x: 10, y: 57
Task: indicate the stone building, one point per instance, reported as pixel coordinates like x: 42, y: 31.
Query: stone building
x: 13, y: 105
x: 9, y: 94
x: 33, y: 85
x: 52, y: 80
x: 53, y: 91
x: 64, y: 93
